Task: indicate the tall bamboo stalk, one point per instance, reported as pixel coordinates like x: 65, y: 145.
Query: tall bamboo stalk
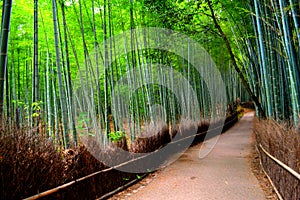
x: 233, y: 59
x: 35, y: 79
x: 68, y: 79
x: 5, y: 26
x: 62, y: 94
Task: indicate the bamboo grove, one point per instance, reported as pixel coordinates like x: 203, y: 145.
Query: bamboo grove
x: 67, y: 74
x: 271, y: 57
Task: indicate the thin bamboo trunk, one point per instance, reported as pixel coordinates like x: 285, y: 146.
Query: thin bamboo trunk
x: 68, y: 79
x: 5, y: 27
x: 35, y: 82
x: 60, y: 81
x: 232, y: 57
x: 293, y: 70
x: 97, y: 52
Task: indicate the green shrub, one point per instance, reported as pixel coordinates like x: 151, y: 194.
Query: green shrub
x: 116, y: 136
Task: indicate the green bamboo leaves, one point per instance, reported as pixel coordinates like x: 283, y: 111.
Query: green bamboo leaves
x: 277, y: 46
x: 73, y: 70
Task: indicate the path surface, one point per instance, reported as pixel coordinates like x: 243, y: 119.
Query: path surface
x: 224, y: 174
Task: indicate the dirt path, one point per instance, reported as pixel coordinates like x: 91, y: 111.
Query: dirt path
x: 224, y: 174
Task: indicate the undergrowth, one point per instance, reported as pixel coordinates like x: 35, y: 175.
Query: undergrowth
x: 31, y: 163
x: 28, y: 164
x: 283, y: 142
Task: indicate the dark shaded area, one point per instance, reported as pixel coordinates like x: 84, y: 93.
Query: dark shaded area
x: 249, y: 105
x: 28, y: 164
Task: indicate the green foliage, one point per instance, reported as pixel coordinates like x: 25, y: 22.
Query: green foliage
x: 92, y: 83
x: 116, y: 136
x: 35, y: 108
x: 240, y: 111
x: 18, y: 103
x: 138, y: 177
x: 126, y: 179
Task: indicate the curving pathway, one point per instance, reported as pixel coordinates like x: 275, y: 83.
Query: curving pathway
x: 224, y: 174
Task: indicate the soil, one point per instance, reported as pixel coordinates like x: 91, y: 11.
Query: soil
x: 259, y: 173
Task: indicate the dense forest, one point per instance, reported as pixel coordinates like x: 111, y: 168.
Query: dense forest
x: 65, y: 70
x: 113, y: 69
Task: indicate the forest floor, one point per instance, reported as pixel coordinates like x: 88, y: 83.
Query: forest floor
x: 224, y: 174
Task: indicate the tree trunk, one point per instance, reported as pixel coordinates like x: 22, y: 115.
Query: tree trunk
x: 232, y: 57
x: 3, y: 47
x: 35, y: 81
x: 68, y: 77
x: 60, y: 81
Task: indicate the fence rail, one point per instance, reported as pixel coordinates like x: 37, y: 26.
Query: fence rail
x: 54, y: 190
x: 281, y: 164
x: 284, y: 166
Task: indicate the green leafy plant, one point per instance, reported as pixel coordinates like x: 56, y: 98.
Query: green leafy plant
x: 138, y: 177
x: 116, y: 136
x: 240, y: 111
x: 36, y: 108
